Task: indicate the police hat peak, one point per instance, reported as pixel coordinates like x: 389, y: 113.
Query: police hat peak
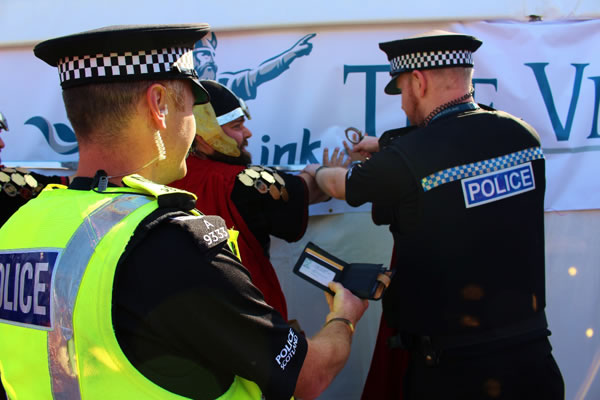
x: 428, y: 50
x: 122, y: 53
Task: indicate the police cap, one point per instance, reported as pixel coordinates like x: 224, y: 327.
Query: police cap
x: 430, y: 50
x: 125, y: 53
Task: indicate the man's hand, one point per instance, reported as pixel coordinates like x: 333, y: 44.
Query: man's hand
x: 367, y: 146
x: 338, y: 158
x: 355, y: 155
x: 344, y: 304
x: 315, y: 194
x: 330, y: 348
x: 338, y: 161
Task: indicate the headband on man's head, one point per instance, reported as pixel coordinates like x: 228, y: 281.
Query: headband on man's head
x: 226, y: 104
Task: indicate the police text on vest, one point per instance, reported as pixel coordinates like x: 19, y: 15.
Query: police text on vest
x: 498, y: 185
x: 25, y: 285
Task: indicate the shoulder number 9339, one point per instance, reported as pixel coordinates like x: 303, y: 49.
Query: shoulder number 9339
x: 215, y: 236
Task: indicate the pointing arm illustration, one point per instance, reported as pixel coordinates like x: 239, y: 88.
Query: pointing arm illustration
x: 245, y: 82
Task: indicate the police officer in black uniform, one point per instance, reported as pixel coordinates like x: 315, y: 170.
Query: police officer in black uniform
x: 462, y: 190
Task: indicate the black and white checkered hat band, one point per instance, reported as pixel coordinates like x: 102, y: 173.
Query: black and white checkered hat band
x: 432, y: 59
x: 126, y: 64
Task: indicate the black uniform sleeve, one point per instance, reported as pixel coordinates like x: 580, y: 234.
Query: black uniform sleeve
x: 187, y: 315
x: 384, y: 179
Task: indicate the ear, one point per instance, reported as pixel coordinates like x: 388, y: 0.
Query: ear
x: 156, y: 99
x: 419, y: 83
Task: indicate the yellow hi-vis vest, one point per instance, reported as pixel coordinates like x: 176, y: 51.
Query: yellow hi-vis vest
x: 58, y: 256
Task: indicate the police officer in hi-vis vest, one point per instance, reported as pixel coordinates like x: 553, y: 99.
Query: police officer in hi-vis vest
x: 462, y: 190
x: 115, y: 287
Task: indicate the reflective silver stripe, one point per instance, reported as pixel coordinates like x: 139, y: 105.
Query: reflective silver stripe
x: 62, y: 359
x: 480, y: 167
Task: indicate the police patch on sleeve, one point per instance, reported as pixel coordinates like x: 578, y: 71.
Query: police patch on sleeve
x: 479, y: 168
x: 498, y: 185
x: 209, y: 230
x: 288, y: 350
x: 25, y: 287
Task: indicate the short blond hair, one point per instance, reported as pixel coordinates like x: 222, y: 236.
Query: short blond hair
x: 108, y: 107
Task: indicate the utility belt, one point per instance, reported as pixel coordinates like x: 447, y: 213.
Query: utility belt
x: 434, y: 348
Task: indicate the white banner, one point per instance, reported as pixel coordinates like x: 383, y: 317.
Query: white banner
x: 304, y: 87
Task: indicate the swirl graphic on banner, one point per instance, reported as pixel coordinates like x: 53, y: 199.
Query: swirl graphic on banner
x: 60, y: 137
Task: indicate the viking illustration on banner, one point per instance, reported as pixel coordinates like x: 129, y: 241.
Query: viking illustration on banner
x: 244, y: 83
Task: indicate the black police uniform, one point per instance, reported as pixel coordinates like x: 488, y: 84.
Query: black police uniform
x: 190, y: 319
x: 468, y: 295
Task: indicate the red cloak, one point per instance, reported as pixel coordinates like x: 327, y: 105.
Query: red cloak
x: 212, y: 182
